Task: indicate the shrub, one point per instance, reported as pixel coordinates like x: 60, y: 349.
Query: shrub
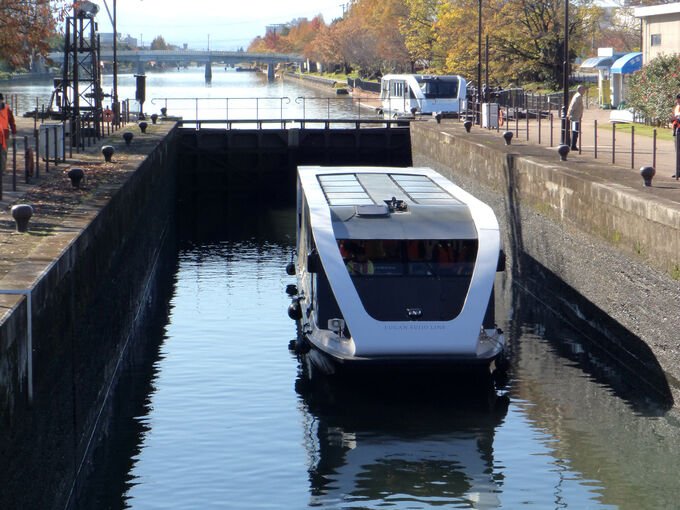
x: 653, y: 88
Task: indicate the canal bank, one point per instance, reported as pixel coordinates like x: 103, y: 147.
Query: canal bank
x: 87, y: 266
x: 110, y: 240
x: 587, y: 239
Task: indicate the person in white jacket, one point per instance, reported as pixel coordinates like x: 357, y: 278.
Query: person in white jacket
x: 575, y: 113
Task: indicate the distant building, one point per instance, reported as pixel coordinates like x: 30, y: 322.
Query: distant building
x: 107, y: 39
x: 277, y: 28
x: 660, y: 30
x: 132, y: 41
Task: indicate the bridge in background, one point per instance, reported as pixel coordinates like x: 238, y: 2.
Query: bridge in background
x: 177, y: 57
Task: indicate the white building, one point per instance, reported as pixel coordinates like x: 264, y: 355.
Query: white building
x: 660, y: 30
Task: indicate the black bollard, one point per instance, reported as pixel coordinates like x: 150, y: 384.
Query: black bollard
x: 142, y: 126
x: 76, y: 175
x: 108, y: 151
x: 154, y: 118
x: 21, y: 214
x: 508, y: 137
x: 467, y: 125
x: 164, y: 112
x: 647, y: 173
x: 128, y: 136
x: 563, y: 150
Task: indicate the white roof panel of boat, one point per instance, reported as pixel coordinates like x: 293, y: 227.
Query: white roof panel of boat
x: 341, y: 189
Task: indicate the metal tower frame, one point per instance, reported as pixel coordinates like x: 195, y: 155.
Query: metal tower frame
x: 80, y: 87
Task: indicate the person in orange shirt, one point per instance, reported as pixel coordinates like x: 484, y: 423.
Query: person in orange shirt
x: 676, y: 115
x: 6, y: 123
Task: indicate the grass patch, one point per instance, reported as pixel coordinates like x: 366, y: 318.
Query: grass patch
x: 675, y: 274
x: 642, y: 130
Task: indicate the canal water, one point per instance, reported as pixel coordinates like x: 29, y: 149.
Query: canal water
x: 225, y: 418
x: 218, y: 415
x: 249, y: 96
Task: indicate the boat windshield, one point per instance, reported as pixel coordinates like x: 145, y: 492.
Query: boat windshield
x: 395, y: 276
x: 439, y: 88
x: 409, y: 257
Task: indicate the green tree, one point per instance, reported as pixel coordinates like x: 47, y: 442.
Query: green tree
x: 420, y: 34
x: 531, y: 46
x: 653, y: 88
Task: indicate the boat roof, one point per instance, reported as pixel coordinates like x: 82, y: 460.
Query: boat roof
x: 420, y: 77
x: 389, y: 203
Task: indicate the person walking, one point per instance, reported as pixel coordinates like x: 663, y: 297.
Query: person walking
x: 6, y: 124
x: 574, y: 114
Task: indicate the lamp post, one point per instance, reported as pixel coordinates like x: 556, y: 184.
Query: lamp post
x: 479, y: 65
x: 116, y: 106
x: 565, y: 72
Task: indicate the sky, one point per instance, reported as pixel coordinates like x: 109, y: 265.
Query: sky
x: 228, y: 24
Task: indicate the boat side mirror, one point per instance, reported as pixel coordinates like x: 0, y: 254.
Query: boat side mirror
x: 313, y: 262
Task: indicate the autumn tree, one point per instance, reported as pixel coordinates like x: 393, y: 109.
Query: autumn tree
x: 26, y: 27
x: 532, y: 45
x: 159, y: 44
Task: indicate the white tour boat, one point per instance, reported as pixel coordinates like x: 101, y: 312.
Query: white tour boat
x: 404, y: 94
x: 395, y: 267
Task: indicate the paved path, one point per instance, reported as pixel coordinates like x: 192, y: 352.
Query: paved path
x: 643, y: 154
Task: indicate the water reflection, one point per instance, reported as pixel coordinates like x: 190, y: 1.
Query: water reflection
x: 406, y: 445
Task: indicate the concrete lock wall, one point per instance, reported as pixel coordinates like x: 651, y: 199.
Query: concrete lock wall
x: 612, y: 248
x: 90, y: 285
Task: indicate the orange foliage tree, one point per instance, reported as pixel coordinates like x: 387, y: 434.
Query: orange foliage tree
x: 26, y: 26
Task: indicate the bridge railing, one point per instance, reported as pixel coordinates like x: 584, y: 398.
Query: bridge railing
x: 236, y: 108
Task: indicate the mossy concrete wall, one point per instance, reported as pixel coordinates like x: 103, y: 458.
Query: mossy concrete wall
x: 90, y: 282
x: 611, y: 243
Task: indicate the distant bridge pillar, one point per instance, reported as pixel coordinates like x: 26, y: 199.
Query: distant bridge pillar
x: 270, y: 71
x: 140, y: 67
x: 208, y: 71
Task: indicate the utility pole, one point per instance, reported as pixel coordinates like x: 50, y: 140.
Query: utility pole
x: 565, y: 71
x: 116, y: 106
x: 479, y: 65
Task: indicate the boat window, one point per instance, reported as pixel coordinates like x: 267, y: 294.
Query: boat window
x: 439, y: 88
x: 387, y: 257
x: 393, y: 276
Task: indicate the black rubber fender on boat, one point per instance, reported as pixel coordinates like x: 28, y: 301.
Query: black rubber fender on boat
x: 290, y: 268
x: 294, y: 311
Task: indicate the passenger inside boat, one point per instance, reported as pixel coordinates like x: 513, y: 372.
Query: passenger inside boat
x: 393, y: 275
x: 410, y: 257
x: 356, y: 259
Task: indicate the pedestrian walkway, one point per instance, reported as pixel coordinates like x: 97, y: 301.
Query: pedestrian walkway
x: 623, y: 157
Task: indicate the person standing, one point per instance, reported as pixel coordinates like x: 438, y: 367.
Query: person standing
x: 575, y: 113
x: 6, y: 124
x: 676, y: 115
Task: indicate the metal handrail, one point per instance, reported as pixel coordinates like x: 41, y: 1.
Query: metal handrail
x: 262, y: 105
x: 358, y: 122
